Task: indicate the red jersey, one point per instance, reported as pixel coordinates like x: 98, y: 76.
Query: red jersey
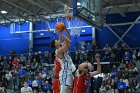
x: 81, y: 83
x: 57, y: 68
x: 15, y: 61
x: 56, y: 82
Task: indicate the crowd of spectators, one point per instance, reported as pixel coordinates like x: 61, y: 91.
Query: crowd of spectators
x: 34, y: 68
x: 15, y: 69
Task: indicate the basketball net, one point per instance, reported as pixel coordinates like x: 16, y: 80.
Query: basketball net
x: 73, y: 23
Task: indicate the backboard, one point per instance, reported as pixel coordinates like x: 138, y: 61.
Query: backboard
x: 89, y: 11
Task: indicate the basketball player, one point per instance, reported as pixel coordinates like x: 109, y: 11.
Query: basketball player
x: 26, y: 88
x: 82, y: 76
x: 65, y: 75
x: 57, y: 68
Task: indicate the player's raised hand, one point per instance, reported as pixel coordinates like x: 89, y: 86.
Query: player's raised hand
x: 97, y: 57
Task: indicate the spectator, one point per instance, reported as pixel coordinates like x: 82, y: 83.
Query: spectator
x: 22, y: 60
x: 138, y: 87
x: 127, y: 57
x: 37, y: 57
x: 107, y: 51
x: 30, y: 53
x: 30, y: 82
x: 47, y: 86
x: 102, y: 89
x: 5, y: 60
x: 138, y: 56
x: 45, y: 71
x: 35, y: 85
x: 21, y: 74
x: 126, y: 82
x: 134, y: 55
x: 0, y: 58
x: 34, y: 66
x: 49, y: 79
x: 121, y: 86
x: 15, y: 61
x: 89, y: 46
x: 12, y: 55
x: 76, y: 58
x: 2, y: 90
x: 1, y: 69
x: 46, y: 57
x: 8, y: 76
x: 26, y: 88
x: 114, y: 69
x: 110, y: 90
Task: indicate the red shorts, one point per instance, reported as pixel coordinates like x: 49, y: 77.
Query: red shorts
x: 56, y: 86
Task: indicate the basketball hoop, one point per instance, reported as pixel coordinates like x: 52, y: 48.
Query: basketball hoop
x: 75, y: 26
x: 73, y: 23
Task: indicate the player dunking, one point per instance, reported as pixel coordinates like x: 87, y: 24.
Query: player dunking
x: 65, y: 75
x: 57, y: 68
x: 82, y: 76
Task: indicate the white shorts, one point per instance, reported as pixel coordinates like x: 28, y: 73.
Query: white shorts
x: 66, y: 78
x: 65, y: 89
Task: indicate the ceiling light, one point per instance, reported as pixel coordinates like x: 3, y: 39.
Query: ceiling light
x: 3, y: 12
x: 78, y: 3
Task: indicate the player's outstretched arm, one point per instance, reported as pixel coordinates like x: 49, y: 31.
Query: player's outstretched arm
x: 98, y: 71
x: 65, y: 46
x: 67, y: 33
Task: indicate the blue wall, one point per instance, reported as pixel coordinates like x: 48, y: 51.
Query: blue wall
x: 106, y: 36
x: 17, y: 42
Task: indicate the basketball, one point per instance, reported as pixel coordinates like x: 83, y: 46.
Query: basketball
x: 60, y: 26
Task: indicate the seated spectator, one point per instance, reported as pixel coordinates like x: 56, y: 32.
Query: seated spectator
x: 2, y: 90
x: 45, y: 71
x: 89, y: 46
x: 102, y: 89
x: 129, y: 91
x: 8, y: 76
x: 47, y: 57
x: 107, y: 51
x: 76, y: 58
x: 134, y: 55
x: 110, y: 90
x: 5, y: 60
x: 30, y: 82
x: 1, y: 58
x: 114, y: 69
x: 37, y: 57
x: 26, y: 88
x: 49, y: 79
x: 138, y: 87
x: 46, y: 87
x: 127, y: 57
x: 34, y: 66
x: 126, y: 82
x: 121, y: 86
x: 113, y: 75
x: 15, y: 61
x: 138, y: 56
x: 22, y: 60
x: 35, y: 85
x: 21, y: 74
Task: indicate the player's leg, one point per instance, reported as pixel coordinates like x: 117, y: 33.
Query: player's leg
x: 56, y: 86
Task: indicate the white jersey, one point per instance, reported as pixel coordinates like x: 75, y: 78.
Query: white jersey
x: 66, y: 62
x: 65, y: 75
x: 26, y: 90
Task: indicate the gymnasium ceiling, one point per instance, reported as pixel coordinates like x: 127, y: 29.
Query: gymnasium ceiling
x: 34, y: 10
